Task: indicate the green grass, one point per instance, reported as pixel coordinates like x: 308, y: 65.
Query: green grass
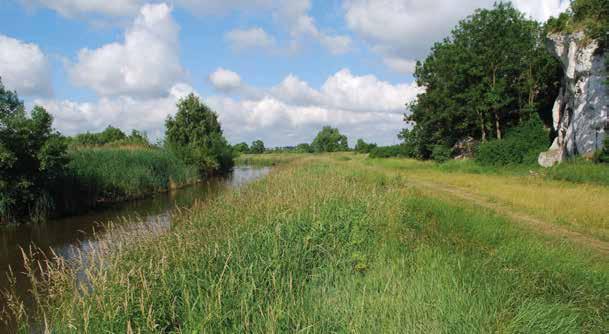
x: 113, y: 174
x: 581, y: 171
x: 326, y: 244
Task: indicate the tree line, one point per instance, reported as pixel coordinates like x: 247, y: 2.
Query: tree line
x: 35, y: 159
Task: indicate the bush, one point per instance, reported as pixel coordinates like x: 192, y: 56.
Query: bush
x: 602, y: 156
x: 362, y: 147
x: 522, y: 145
x: 32, y: 157
x: 441, y: 153
x: 401, y: 150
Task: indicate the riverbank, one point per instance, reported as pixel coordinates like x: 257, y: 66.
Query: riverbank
x: 97, y: 175
x: 338, y: 243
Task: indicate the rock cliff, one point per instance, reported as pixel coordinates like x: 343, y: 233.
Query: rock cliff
x: 581, y: 111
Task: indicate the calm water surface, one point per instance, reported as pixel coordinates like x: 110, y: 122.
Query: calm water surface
x: 69, y: 236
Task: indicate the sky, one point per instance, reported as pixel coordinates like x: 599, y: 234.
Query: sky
x: 276, y: 70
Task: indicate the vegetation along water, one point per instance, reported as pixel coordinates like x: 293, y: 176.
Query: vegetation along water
x: 455, y: 229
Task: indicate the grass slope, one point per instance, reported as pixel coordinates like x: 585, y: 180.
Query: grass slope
x: 332, y: 244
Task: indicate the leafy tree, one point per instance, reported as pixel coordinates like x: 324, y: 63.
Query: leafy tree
x: 257, y: 147
x: 241, y: 148
x: 491, y: 74
x: 303, y: 148
x: 196, y: 136
x: 32, y: 157
x: 362, y: 147
x: 329, y: 139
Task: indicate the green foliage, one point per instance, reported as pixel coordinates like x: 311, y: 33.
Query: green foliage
x: 362, y: 147
x: 303, y: 148
x: 195, y: 136
x: 241, y: 148
x: 32, y: 158
x: 441, y: 153
x: 491, y: 73
x: 257, y: 147
x: 110, y: 136
x: 402, y: 150
x: 107, y: 174
x: 602, y: 156
x: 362, y: 253
x: 522, y: 145
x: 329, y: 139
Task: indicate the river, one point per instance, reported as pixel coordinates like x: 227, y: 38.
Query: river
x: 68, y: 236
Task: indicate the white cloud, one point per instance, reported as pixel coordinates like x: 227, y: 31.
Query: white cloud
x: 24, y: 68
x: 146, y: 64
x: 403, y: 31
x: 542, y: 10
x: 286, y: 114
x: 147, y: 114
x: 225, y: 80
x: 293, y: 111
x: 249, y: 38
x: 400, y: 65
x: 71, y: 8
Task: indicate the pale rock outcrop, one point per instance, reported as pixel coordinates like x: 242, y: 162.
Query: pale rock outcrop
x: 581, y: 111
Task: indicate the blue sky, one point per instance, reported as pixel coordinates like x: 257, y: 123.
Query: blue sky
x: 274, y: 70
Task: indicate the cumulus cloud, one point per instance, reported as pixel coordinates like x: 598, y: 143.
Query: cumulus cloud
x: 146, y: 63
x: 252, y: 38
x: 286, y: 114
x: 24, y: 68
x: 403, y: 31
x: 225, y: 80
x: 125, y: 112
x: 293, y: 111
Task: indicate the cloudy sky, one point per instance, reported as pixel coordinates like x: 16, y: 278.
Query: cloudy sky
x: 275, y: 70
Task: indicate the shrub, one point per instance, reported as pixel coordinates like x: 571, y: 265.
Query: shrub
x: 362, y: 147
x: 32, y: 157
x: 441, y: 153
x: 602, y: 156
x: 521, y: 145
x: 401, y: 150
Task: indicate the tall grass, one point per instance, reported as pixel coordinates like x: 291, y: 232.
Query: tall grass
x: 332, y: 245
x: 109, y: 174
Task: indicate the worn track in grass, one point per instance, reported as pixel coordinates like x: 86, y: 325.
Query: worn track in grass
x: 536, y: 224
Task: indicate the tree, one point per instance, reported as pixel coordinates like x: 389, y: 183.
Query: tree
x: 329, y: 139
x: 303, y: 148
x: 362, y: 147
x: 32, y: 157
x: 257, y: 147
x: 241, y: 148
x: 491, y: 74
x: 196, y: 136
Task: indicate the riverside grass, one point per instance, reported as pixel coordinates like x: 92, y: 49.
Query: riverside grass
x: 110, y: 174
x: 333, y: 243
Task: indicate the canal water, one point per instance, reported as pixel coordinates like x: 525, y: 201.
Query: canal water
x: 68, y: 237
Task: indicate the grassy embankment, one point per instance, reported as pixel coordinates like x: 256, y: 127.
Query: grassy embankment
x: 334, y: 243
x: 110, y: 174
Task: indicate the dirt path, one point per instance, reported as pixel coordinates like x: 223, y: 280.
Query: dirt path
x: 526, y: 220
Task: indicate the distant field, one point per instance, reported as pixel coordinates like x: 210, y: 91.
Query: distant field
x: 341, y: 243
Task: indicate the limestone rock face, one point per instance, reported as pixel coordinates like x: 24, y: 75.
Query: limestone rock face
x: 581, y: 111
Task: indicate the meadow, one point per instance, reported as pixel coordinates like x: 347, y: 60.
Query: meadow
x: 341, y: 243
